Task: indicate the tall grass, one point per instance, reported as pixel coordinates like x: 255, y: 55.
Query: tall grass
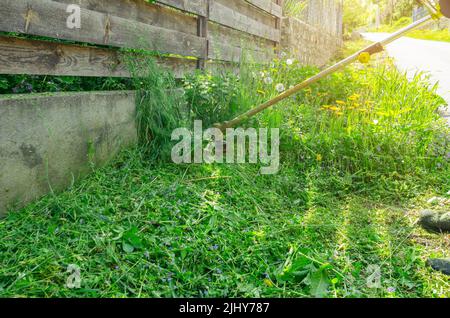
x: 388, y: 125
x: 160, y: 108
x: 367, y: 121
x: 213, y: 98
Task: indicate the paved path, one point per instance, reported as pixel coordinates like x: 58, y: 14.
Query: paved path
x: 413, y: 55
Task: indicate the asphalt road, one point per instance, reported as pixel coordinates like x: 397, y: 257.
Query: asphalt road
x: 413, y: 55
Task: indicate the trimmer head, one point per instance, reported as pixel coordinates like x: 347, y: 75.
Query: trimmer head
x: 445, y: 7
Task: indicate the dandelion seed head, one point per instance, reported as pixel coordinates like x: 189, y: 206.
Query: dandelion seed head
x: 280, y: 88
x: 268, y: 80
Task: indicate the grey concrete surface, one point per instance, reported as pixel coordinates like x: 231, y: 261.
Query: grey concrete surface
x: 412, y: 55
x: 49, y: 141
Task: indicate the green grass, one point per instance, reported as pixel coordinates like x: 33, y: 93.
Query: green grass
x: 351, y: 47
x: 422, y: 34
x: 214, y: 231
x: 362, y: 153
x: 432, y: 35
x: 397, y: 25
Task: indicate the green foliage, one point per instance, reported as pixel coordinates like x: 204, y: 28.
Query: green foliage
x: 391, y: 128
x: 367, y: 120
x: 131, y: 240
x: 213, y: 98
x: 432, y: 35
x: 397, y: 25
x: 356, y: 15
x: 294, y: 8
x: 160, y: 106
x: 27, y: 84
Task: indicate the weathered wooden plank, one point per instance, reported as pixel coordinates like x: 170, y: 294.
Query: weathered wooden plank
x: 221, y: 51
x: 197, y: 7
x: 48, y: 18
x: 221, y: 68
x: 23, y: 56
x: 269, y: 6
x: 238, y: 38
x: 245, y: 8
x: 142, y: 11
x: 226, y: 16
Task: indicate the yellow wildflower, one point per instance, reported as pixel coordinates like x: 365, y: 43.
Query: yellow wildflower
x: 354, y: 97
x: 319, y: 157
x: 334, y: 108
x: 340, y: 102
x: 268, y: 282
x: 364, y: 57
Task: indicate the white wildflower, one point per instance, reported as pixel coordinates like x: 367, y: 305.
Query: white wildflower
x: 268, y: 80
x: 280, y: 88
x: 376, y: 121
x: 289, y: 61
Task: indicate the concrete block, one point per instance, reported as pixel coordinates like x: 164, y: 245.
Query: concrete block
x: 49, y: 141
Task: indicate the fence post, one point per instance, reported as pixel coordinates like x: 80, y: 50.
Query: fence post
x: 202, y: 31
x: 278, y: 22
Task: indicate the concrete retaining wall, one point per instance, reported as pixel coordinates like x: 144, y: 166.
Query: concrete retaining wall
x: 48, y: 141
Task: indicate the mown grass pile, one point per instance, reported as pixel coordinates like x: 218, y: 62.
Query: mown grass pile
x: 361, y: 153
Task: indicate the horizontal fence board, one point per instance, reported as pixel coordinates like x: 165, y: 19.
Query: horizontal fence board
x: 236, y: 29
x: 224, y: 52
x: 269, y: 6
x: 224, y: 15
x: 218, y: 67
x: 141, y: 11
x: 219, y: 33
x: 250, y: 11
x: 198, y: 7
x: 48, y: 18
x: 22, y: 56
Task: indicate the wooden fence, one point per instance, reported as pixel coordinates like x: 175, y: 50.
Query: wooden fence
x: 326, y: 16
x: 189, y: 34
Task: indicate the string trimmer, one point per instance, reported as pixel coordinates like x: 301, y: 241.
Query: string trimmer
x: 436, y: 12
